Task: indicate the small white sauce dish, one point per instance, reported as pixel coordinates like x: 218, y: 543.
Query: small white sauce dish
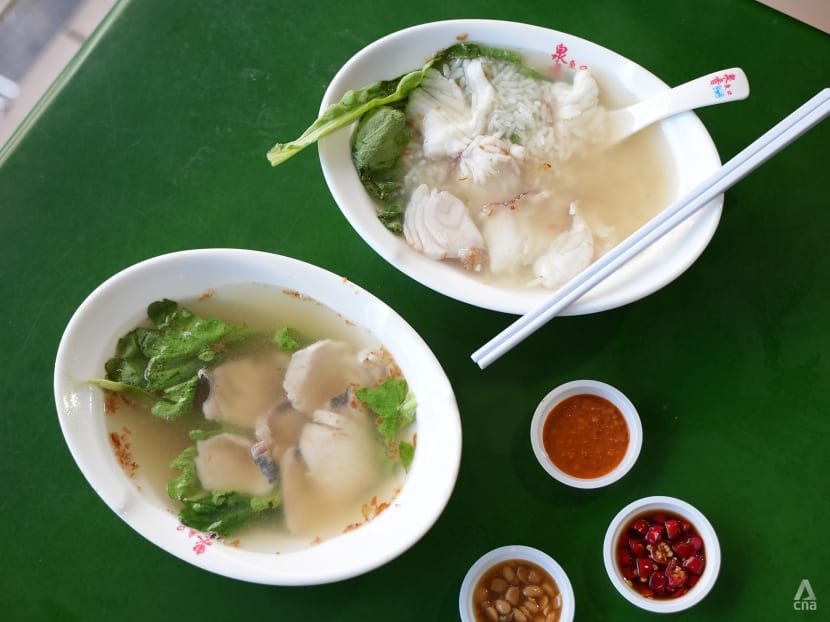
x: 517, y: 552
x: 587, y: 387
x: 668, y: 505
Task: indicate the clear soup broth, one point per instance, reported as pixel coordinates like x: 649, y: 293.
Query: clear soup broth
x: 145, y: 445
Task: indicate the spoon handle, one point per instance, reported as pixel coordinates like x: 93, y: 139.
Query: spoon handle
x: 718, y: 87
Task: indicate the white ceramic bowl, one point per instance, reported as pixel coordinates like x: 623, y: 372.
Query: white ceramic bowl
x: 515, y: 551
x: 119, y: 304
x: 711, y: 551
x: 692, y: 150
x: 593, y: 387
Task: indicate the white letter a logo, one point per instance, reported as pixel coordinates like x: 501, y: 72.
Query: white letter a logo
x: 805, y: 586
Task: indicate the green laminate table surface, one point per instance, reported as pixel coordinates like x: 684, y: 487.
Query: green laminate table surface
x: 153, y: 141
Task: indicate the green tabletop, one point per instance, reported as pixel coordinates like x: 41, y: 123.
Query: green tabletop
x: 153, y: 141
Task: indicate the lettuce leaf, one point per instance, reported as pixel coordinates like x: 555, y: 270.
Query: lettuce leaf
x: 379, y: 140
x: 351, y: 106
x: 384, y: 400
x: 289, y: 340
x: 406, y: 451
x: 355, y: 103
x: 395, y: 407
x: 162, y: 362
x: 377, y: 145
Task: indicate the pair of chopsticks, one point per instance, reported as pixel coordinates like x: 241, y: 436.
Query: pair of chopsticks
x: 770, y: 143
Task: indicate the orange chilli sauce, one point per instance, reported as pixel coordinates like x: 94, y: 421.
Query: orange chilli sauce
x: 585, y: 436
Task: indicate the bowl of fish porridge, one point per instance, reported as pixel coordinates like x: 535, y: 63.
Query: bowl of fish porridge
x: 468, y: 154
x: 257, y: 416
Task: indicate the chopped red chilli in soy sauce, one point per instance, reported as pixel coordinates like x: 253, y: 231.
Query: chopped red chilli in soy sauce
x: 661, y: 555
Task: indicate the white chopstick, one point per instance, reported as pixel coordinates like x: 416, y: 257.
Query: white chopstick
x: 777, y: 138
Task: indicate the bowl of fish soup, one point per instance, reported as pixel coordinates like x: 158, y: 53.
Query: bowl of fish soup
x: 252, y: 287
x: 672, y: 157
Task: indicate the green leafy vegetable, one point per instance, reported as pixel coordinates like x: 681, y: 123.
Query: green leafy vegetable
x: 469, y: 49
x: 221, y: 512
x: 162, y: 362
x: 385, y: 191
x: 395, y: 407
x: 177, y: 399
x: 406, y: 451
x: 288, y: 340
x: 351, y: 106
x: 392, y: 217
x: 379, y: 139
x: 355, y: 103
x: 200, y: 434
x: 377, y: 144
x: 385, y: 400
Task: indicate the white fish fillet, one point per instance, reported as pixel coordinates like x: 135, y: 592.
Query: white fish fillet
x: 244, y: 389
x: 320, y: 371
x: 569, y: 253
x: 224, y: 462
x: 436, y: 223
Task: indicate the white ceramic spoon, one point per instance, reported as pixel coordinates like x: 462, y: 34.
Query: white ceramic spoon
x: 719, y: 87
